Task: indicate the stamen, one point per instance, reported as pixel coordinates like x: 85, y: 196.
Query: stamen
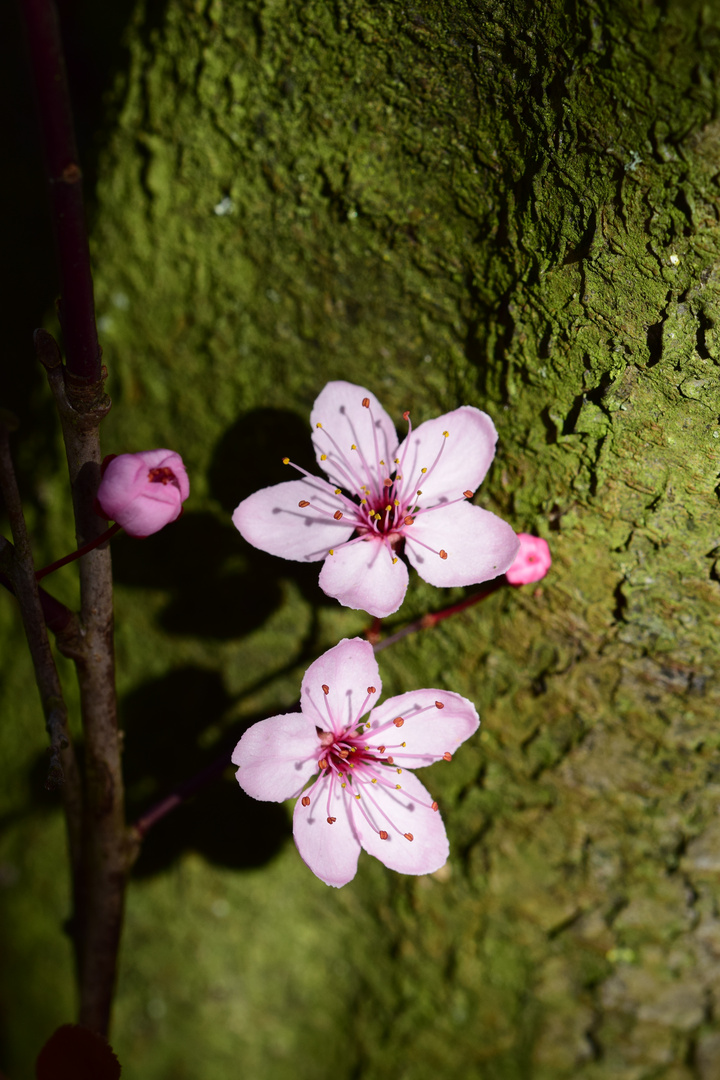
x: 398, y: 721
x: 303, y: 503
x: 337, y: 515
x: 447, y: 756
x: 366, y: 402
x: 439, y: 705
x: 383, y: 835
x: 305, y: 800
x: 435, y: 806
x: 325, y: 689
x: 468, y: 494
x: 332, y: 820
x: 442, y: 553
x: 408, y: 836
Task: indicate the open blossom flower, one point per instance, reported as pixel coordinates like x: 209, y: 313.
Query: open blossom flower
x: 349, y: 774
x: 532, y: 562
x: 144, y: 492
x: 383, y: 500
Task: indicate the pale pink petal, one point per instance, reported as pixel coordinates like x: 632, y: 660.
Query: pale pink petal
x: 339, y: 409
x: 276, y: 757
x: 363, y: 575
x: 466, y: 455
x: 532, y: 561
x: 429, y: 732
x: 271, y: 520
x: 479, y: 545
x: 331, y: 850
x: 349, y: 670
x: 408, y: 810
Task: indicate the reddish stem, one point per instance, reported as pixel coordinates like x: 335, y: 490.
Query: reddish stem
x: 77, y: 313
x: 91, y: 544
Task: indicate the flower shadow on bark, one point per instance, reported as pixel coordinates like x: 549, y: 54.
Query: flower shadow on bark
x: 218, y: 587
x: 167, y: 725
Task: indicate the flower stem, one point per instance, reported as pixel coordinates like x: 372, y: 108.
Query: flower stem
x: 431, y: 619
x: 40, y: 574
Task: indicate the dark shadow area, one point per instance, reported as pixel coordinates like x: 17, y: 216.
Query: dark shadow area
x: 96, y: 57
x: 220, y: 586
x: 164, y: 722
x: 249, y: 456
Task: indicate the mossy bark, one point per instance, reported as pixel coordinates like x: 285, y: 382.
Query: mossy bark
x: 509, y: 205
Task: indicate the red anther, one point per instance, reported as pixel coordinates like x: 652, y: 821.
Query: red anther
x: 387, y: 483
x: 303, y: 503
x: 343, y: 754
x: 305, y: 800
x: 408, y: 836
x: 325, y: 689
x: 331, y: 820
x: 371, y: 690
x: 366, y: 402
x: 442, y: 553
x: 398, y: 721
x: 322, y: 763
x: 434, y: 806
x: 381, y: 749
x: 161, y: 476
x: 406, y: 416
x: 383, y: 835
x: 409, y: 520
x: 468, y: 494
x: 337, y: 515
x: 447, y: 756
x: 439, y: 705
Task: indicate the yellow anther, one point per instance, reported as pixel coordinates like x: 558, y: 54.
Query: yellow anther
x: 286, y: 461
x: 367, y: 727
x: 446, y: 433
x: 374, y: 780
x: 398, y: 770
x: 396, y: 460
x: 394, y: 559
x: 343, y: 785
x: 318, y: 425
x: 418, y: 492
x: 353, y: 447
x: 403, y: 744
x: 331, y: 551
x: 396, y: 502
x: 398, y: 787
x: 381, y: 461
x: 338, y: 491
x: 388, y: 508
x: 357, y: 796
x: 423, y: 470
x: 323, y: 457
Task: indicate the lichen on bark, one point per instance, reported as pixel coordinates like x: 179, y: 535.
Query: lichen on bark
x: 508, y: 205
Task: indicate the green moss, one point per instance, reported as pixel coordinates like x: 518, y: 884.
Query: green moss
x: 508, y: 205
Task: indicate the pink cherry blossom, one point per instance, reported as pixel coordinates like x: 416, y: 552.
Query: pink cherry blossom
x: 144, y: 492
x: 532, y: 561
x: 349, y: 774
x: 383, y: 500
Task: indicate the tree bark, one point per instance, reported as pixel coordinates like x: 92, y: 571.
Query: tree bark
x: 513, y: 206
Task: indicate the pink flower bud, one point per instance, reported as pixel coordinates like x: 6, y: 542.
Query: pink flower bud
x: 532, y: 561
x: 144, y: 492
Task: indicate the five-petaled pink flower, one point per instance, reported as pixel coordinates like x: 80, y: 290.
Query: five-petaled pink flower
x: 349, y: 774
x: 532, y: 562
x: 383, y: 500
x: 144, y: 492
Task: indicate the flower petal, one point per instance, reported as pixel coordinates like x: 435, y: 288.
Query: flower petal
x: 270, y: 519
x: 330, y: 850
x: 479, y: 545
x: 276, y: 757
x: 348, y: 670
x: 532, y: 561
x: 429, y: 732
x: 467, y: 453
x: 363, y: 575
x: 343, y: 418
x: 408, y: 810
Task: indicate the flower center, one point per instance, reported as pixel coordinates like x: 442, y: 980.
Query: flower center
x: 162, y: 475
x: 359, y: 770
x: 383, y: 503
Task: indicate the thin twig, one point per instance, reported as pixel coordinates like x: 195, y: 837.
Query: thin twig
x: 102, y: 539
x: 63, y: 766
x: 432, y: 619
